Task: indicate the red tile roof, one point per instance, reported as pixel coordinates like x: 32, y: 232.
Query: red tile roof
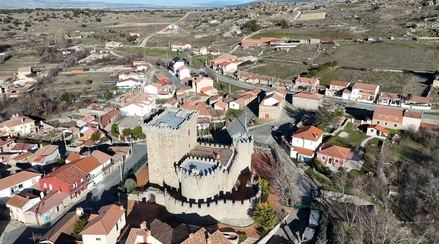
x: 393, y: 115
x: 304, y: 151
x: 106, y: 118
x: 311, y: 133
x: 100, y: 156
x: 16, y: 120
x: 413, y: 114
x: 309, y: 95
x: 379, y: 128
x: 69, y: 173
x: 337, y: 152
x: 365, y: 86
x: 87, y: 164
x: 339, y: 83
x: 15, y: 179
x: 306, y: 80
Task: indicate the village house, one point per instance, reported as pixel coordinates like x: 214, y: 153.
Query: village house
x: 21, y: 147
x: 129, y: 84
x: 142, y: 105
x: 221, y: 105
x: 49, y: 209
x: 397, y: 118
x: 108, y: 119
x: 62, y: 230
x: 203, y: 236
x: 180, y: 47
x: 104, y: 227
x: 306, y: 84
x: 73, y: 157
x: 45, y: 155
x: 15, y: 183
x: 377, y: 131
x: 206, y: 114
x: 6, y: 144
x: 141, y: 235
x: 416, y: 102
x: 160, y: 91
x: 242, y: 101
x: 307, y: 100
x: 220, y: 61
x: 104, y: 159
x: 253, y: 78
x: 113, y: 44
x: 20, y: 203
x: 18, y: 125
x: 261, y: 42
x: 336, y: 88
x: 141, y: 65
x: 176, y: 63
x: 200, y: 51
x: 69, y: 179
x: 93, y: 168
x: 272, y: 106
x: 201, y: 82
x: 389, y: 99
x: 336, y: 157
x: 183, y: 72
x: 363, y: 92
x: 305, y: 142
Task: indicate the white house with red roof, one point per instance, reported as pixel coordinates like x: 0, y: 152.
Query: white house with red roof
x: 336, y: 157
x: 306, y: 84
x: 416, y: 102
x: 15, y: 183
x: 183, y: 72
x: 305, y: 142
x: 336, y: 88
x: 17, y: 125
x: 364, y: 92
x: 104, y: 227
x: 200, y: 82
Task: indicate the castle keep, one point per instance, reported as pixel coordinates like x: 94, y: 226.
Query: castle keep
x: 194, y: 178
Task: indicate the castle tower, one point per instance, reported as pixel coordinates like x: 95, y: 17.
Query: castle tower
x: 169, y: 136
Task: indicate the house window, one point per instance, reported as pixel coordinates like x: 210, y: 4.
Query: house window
x: 34, y: 181
x: 98, y: 239
x: 20, y: 186
x: 117, y: 226
x: 395, y: 125
x: 378, y: 122
x: 189, y: 132
x: 385, y: 123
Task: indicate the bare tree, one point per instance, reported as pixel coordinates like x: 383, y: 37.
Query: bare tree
x: 285, y: 182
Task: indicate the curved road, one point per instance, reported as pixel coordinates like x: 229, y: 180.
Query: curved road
x: 146, y: 39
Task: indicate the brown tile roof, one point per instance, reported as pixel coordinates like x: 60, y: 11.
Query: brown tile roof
x: 217, y: 238
x: 413, y: 114
x: 306, y: 80
x: 199, y: 237
x: 69, y: 173
x: 379, y: 128
x: 16, y: 179
x: 161, y: 231
x: 74, y: 156
x: 364, y: 86
x: 50, y: 201
x: 100, y: 156
x: 23, y: 157
x: 311, y: 133
x: 87, y: 164
x: 63, y: 227
x: 16, y: 120
x: 393, y: 115
x: 106, y: 118
x: 43, y: 152
x: 134, y: 233
x: 419, y: 99
x: 105, y: 221
x: 339, y: 83
x: 390, y: 95
x: 337, y: 152
x: 309, y: 95
x: 17, y: 201
x: 22, y: 146
x: 304, y: 151
x: 5, y: 142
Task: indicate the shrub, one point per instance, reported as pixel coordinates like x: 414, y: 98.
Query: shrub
x: 78, y: 227
x: 130, y: 185
x: 251, y: 25
x: 264, y: 217
x: 265, y: 187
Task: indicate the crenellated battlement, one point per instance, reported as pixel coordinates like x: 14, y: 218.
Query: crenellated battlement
x: 171, y: 119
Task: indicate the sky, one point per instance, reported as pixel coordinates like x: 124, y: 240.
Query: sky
x: 176, y: 2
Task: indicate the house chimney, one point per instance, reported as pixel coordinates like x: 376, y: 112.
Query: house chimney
x: 122, y: 208
x: 143, y: 225
x: 79, y: 211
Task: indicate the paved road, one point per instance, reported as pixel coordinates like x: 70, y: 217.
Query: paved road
x: 146, y: 39
x: 233, y: 81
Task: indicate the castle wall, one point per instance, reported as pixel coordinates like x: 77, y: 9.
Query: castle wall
x: 222, y: 178
x: 235, y: 213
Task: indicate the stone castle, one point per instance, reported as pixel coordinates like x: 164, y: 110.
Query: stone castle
x: 198, y: 181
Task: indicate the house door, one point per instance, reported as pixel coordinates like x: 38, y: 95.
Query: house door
x: 267, y: 116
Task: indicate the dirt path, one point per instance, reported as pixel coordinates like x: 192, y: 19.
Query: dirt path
x: 146, y: 39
